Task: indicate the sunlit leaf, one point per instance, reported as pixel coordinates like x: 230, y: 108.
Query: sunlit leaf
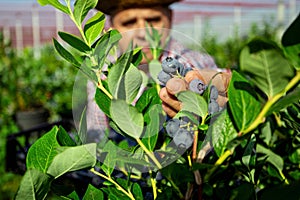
x: 243, y: 101
x: 43, y: 151
x: 94, y: 27
x: 193, y: 103
x: 81, y: 8
x: 72, y: 159
x: 56, y: 4
x: 127, y: 118
x: 34, y: 185
x: 266, y: 66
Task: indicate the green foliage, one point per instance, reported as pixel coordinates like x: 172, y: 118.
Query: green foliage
x: 255, y: 139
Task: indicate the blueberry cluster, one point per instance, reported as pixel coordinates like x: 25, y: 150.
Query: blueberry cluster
x: 171, y: 67
x: 181, y: 132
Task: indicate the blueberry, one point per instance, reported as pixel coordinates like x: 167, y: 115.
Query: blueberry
x: 172, y: 126
x: 183, y: 138
x: 196, y: 85
x: 213, y: 93
x: 171, y: 65
x: 163, y: 77
x: 185, y: 70
x: 213, y: 107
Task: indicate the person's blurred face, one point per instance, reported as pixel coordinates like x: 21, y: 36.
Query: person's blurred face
x: 132, y: 22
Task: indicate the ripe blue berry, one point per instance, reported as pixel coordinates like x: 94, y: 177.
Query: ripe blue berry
x: 172, y: 127
x: 213, y: 93
x: 183, y: 138
x: 171, y: 65
x: 213, y: 107
x: 185, y: 70
x: 196, y: 85
x: 163, y: 77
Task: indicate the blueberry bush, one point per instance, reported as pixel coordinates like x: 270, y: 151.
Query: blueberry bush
x: 248, y: 149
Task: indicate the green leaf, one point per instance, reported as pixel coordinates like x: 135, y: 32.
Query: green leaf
x: 81, y: 8
x: 272, y: 158
x: 56, y: 4
x: 154, y: 120
x: 248, y: 153
x: 293, y: 53
x: 43, y: 151
x: 222, y: 131
x: 104, y: 45
x: 72, y: 159
x: 74, y: 42
x: 93, y: 27
x: 116, y: 75
x: 102, y: 100
x: 147, y: 99
x: 295, y: 156
x: 34, y: 185
x: 65, y: 54
x: 87, y: 69
x: 289, y: 99
x: 193, y: 103
x: 127, y: 118
x: 154, y: 69
x: 266, y: 66
x: 137, y: 191
x: 93, y: 193
x: 109, y: 162
x: 64, y: 138
x: 243, y: 101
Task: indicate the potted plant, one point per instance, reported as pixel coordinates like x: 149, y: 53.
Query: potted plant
x: 35, y: 89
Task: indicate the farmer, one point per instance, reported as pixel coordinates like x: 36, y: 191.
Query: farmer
x: 130, y: 18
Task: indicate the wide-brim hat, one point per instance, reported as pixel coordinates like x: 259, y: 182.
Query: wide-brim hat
x: 110, y: 6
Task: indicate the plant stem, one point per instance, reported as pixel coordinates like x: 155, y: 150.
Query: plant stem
x: 260, y: 118
x: 113, y: 182
x: 153, y: 183
x: 175, y: 187
x: 100, y: 86
x: 150, y: 154
x: 222, y: 158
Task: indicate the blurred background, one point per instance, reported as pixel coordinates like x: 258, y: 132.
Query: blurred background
x: 35, y: 79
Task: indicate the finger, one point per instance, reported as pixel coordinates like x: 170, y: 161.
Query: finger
x: 194, y: 74
x: 169, y: 99
x: 176, y: 85
x: 170, y: 112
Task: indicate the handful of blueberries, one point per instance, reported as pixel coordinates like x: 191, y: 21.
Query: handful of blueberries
x: 180, y: 129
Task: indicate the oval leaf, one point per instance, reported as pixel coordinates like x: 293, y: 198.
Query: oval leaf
x: 81, y: 8
x: 43, y: 151
x: 72, y: 159
x: 266, y: 66
x: 127, y: 118
x: 193, y: 103
x: 222, y: 132
x: 93, y: 27
x: 34, y: 185
x: 74, y: 42
x: 243, y: 101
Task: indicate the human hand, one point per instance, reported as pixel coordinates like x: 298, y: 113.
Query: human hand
x: 170, y: 103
